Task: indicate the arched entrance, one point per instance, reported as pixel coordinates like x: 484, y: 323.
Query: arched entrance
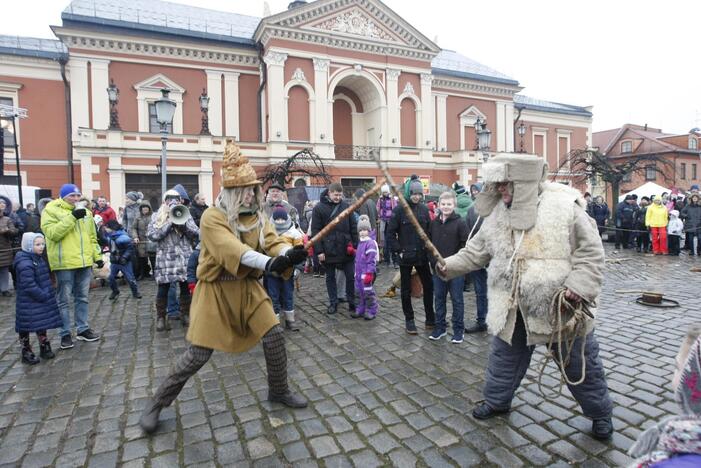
x: 359, y: 113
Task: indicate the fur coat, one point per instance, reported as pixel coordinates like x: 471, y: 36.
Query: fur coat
x: 563, y: 248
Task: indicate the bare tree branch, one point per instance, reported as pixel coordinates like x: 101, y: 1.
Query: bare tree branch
x: 304, y: 163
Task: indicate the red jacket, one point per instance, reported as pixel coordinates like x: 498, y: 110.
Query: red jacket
x: 106, y: 214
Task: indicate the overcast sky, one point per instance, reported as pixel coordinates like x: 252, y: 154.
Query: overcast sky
x: 634, y: 61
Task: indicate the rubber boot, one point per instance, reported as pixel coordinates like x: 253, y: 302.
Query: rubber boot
x: 185, y: 300
x: 161, y: 317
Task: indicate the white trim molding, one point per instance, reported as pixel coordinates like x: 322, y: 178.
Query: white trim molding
x: 147, y: 93
x: 468, y: 117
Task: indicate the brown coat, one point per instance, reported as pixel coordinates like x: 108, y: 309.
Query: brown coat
x: 7, y: 232
x: 230, y: 315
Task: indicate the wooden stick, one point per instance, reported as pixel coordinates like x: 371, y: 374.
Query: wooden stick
x: 410, y: 214
x: 343, y: 215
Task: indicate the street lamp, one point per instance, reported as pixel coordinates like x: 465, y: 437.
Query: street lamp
x: 484, y: 138
x: 165, y: 109
x: 521, y: 132
x: 478, y: 129
x: 204, y: 107
x: 13, y: 113
x: 113, y: 95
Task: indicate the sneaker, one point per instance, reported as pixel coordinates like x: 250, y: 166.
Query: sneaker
x: 332, y: 309
x: 477, y: 328
x: 87, y: 335
x: 316, y: 275
x: 137, y: 295
x: 437, y: 334
x: 114, y: 295
x: 457, y: 337
x: 411, y: 328
x: 66, y: 342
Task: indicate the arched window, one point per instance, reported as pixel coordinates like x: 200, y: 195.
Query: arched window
x: 407, y: 116
x: 693, y: 143
x: 298, y: 114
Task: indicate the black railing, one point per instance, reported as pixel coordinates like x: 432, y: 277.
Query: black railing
x: 350, y: 152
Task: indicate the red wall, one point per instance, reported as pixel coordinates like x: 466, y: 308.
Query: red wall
x: 455, y: 105
x: 342, y: 123
x: 249, y: 114
x: 408, y: 123
x: 298, y: 114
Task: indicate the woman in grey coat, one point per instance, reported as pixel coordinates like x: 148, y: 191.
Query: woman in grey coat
x: 173, y: 250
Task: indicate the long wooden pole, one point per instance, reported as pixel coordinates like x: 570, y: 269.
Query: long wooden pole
x: 410, y: 214
x: 343, y: 215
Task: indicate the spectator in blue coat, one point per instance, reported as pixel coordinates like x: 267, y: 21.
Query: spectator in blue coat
x: 192, y: 263
x: 599, y: 210
x: 121, y: 252
x: 36, y: 308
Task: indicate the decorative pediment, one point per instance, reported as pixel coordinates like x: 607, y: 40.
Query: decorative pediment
x: 470, y: 115
x: 159, y: 81
x: 367, y: 25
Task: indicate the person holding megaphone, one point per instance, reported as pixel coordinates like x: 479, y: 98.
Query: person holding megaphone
x: 174, y: 231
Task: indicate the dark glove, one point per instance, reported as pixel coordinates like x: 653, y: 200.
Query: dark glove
x: 78, y: 213
x: 367, y: 279
x: 297, y: 254
x: 278, y: 264
x: 350, y: 250
x: 100, y: 263
x: 123, y: 261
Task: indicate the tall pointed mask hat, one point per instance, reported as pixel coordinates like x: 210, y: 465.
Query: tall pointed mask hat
x: 236, y: 170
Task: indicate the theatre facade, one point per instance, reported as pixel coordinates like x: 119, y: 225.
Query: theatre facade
x: 345, y: 78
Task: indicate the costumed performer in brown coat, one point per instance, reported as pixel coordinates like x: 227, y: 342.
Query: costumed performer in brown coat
x: 230, y: 310
x: 540, y: 245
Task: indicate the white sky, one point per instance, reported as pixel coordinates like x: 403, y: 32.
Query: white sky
x: 635, y: 61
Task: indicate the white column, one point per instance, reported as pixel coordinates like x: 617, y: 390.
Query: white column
x: 442, y: 130
x: 116, y: 173
x: 501, y: 125
x: 276, y: 96
x: 509, y: 112
x: 79, y: 94
x: 321, y: 90
x: 86, y: 182
x: 231, y: 105
x: 205, y: 179
x: 427, y: 117
x: 393, y: 111
x: 99, y: 71
x: 215, y: 104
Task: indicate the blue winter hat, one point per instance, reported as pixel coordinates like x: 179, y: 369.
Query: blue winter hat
x: 69, y: 189
x: 181, y: 190
x: 695, y: 187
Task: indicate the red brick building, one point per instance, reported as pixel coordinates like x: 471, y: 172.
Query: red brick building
x: 340, y: 76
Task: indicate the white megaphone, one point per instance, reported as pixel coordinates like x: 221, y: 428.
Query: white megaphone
x: 179, y: 214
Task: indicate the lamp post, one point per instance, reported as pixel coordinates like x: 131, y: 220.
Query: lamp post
x: 165, y: 109
x: 204, y: 107
x: 478, y: 129
x: 113, y: 95
x: 13, y: 113
x: 521, y: 132
x: 484, y: 138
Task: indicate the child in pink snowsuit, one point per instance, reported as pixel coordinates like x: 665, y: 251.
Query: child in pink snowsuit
x: 365, y: 261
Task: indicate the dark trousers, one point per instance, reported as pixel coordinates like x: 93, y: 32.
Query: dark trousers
x: 479, y: 280
x: 643, y: 240
x: 196, y: 356
x: 24, y: 339
x: 164, y: 288
x: 128, y: 274
x: 673, y: 244
x: 424, y: 273
x: 508, y: 364
x: 623, y: 236
x: 689, y: 240
x: 348, y: 269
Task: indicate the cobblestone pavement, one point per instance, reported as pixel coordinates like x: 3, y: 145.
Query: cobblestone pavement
x: 377, y: 395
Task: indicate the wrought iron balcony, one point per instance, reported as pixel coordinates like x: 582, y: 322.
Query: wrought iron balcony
x: 350, y: 152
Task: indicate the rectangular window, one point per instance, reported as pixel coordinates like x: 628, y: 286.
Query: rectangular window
x: 693, y: 171
x: 682, y: 171
x: 627, y: 147
x: 693, y: 143
x: 153, y: 125
x: 650, y: 173
x: 6, y: 124
x: 539, y: 145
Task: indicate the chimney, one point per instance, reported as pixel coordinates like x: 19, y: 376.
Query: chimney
x: 296, y: 3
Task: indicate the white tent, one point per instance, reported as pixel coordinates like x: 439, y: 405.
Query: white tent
x: 646, y: 190
x: 28, y: 193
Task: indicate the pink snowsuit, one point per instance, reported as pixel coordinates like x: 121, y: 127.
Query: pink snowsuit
x: 365, y: 261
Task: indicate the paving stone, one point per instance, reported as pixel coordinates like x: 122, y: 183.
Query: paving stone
x: 260, y: 448
x: 366, y: 458
x: 349, y: 442
x: 39, y: 459
x: 503, y: 457
x: 440, y: 436
x: 295, y: 451
x: 402, y: 458
x: 463, y: 456
x: 200, y: 452
x: 323, y: 446
x: 382, y: 442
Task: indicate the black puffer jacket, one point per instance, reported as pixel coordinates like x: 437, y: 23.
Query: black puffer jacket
x: 334, y: 245
x: 448, y: 237
x: 691, y: 214
x: 403, y: 236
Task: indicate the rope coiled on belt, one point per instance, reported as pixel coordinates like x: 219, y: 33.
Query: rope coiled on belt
x: 565, y: 332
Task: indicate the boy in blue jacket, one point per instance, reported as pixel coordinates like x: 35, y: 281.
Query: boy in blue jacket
x: 121, y: 253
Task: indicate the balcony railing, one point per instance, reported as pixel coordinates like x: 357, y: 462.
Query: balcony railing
x: 350, y: 152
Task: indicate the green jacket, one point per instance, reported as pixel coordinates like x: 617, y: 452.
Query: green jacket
x: 464, y: 204
x: 70, y: 243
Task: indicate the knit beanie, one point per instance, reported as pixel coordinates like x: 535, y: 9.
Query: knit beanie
x: 415, y: 186
x: 695, y: 187
x: 385, y: 188
x: 364, y: 223
x: 458, y: 188
x: 183, y: 193
x: 135, y: 196
x: 279, y: 213
x: 69, y: 189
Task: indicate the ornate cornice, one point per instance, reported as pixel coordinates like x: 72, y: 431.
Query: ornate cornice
x: 275, y: 58
x: 321, y: 65
x: 474, y: 86
x: 126, y: 45
x: 393, y: 74
x: 426, y: 79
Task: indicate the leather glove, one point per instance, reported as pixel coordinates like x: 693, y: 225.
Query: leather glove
x: 278, y: 264
x: 367, y: 279
x: 191, y: 287
x: 350, y: 250
x: 100, y: 263
x: 296, y: 254
x: 78, y: 213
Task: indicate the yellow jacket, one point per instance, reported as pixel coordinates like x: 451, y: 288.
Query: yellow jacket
x: 70, y: 243
x: 656, y: 216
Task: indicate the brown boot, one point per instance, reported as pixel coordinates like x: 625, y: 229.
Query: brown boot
x: 185, y: 301
x: 161, y: 318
